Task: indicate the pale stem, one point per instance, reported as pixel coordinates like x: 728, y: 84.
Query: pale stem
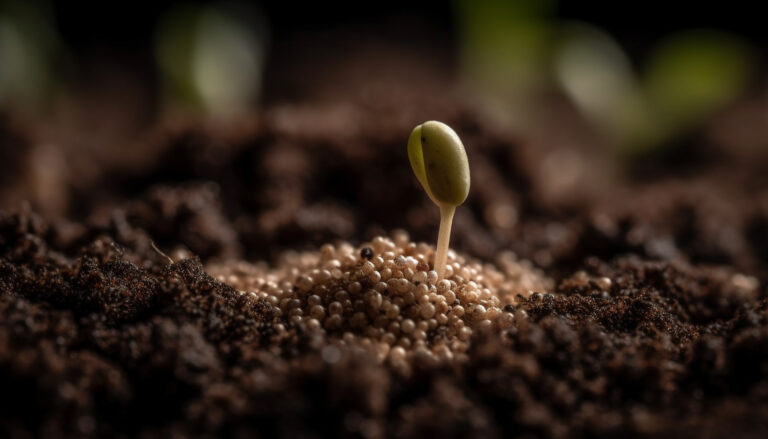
x: 443, y: 239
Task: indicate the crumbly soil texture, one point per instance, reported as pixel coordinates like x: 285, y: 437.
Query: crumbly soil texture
x: 247, y: 282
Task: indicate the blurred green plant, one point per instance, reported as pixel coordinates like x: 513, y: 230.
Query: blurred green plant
x: 504, y: 46
x: 513, y: 50
x: 688, y: 76
x: 692, y: 73
x: 596, y: 74
x: 29, y: 48
x: 212, y: 56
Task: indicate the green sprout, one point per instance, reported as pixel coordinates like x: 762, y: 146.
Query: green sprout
x: 440, y: 163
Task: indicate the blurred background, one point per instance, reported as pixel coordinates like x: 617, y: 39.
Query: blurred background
x: 603, y: 127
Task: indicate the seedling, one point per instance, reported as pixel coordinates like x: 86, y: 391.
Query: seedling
x: 440, y: 163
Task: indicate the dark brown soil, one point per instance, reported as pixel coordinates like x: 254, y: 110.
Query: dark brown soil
x: 658, y: 326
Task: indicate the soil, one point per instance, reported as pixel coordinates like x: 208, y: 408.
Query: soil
x: 656, y: 324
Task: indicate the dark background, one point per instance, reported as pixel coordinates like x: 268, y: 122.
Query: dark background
x: 130, y: 25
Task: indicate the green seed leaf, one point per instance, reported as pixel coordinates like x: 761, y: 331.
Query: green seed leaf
x: 440, y: 163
